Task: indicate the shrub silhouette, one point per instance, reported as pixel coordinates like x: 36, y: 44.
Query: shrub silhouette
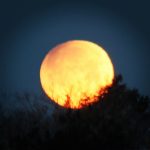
x: 119, y: 120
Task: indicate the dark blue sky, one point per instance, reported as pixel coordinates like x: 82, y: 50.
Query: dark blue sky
x: 29, y: 29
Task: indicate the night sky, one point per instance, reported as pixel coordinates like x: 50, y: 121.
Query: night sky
x: 29, y: 29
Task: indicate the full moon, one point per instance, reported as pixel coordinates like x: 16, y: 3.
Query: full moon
x: 75, y: 73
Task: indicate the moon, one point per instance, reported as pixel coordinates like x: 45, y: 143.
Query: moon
x: 75, y: 73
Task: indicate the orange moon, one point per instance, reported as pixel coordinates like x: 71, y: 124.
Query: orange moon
x: 75, y: 73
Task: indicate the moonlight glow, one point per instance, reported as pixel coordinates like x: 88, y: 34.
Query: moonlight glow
x: 75, y: 73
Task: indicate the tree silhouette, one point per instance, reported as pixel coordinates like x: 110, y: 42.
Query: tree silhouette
x: 119, y: 120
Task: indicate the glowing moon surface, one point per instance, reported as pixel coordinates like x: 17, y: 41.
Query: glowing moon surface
x: 73, y: 74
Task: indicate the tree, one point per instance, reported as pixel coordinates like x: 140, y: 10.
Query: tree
x: 119, y: 120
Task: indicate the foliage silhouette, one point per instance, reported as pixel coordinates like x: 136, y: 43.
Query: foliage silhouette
x: 119, y: 120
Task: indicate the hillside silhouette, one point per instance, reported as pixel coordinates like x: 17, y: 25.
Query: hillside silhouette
x: 119, y: 120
